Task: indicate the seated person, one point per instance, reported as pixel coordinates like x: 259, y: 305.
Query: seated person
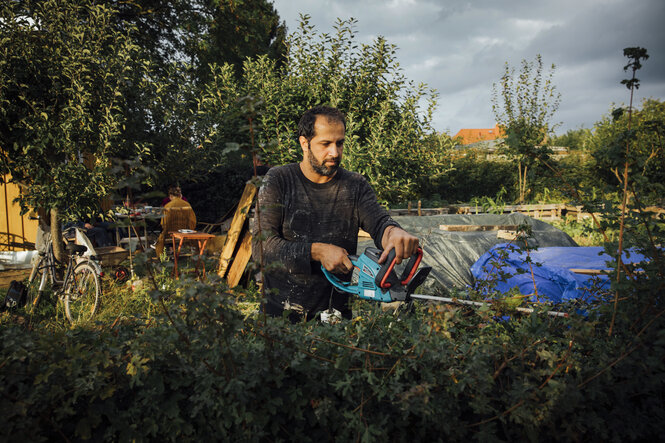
x: 178, y: 214
x: 173, y: 190
x: 97, y: 232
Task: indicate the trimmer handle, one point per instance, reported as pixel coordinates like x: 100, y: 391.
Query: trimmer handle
x: 344, y: 286
x: 386, y: 278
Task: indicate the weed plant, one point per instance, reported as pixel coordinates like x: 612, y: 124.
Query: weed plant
x: 583, y: 232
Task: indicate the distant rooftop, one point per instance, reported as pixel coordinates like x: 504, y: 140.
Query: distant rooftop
x: 470, y: 136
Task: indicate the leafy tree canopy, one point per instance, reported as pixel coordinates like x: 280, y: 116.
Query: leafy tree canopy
x: 181, y: 39
x: 386, y: 126
x: 574, y: 139
x: 62, y: 74
x: 646, y: 157
x: 200, y: 32
x: 523, y: 104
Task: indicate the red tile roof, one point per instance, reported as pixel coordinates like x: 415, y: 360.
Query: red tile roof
x: 468, y: 136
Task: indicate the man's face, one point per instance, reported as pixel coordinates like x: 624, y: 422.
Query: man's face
x: 324, y: 150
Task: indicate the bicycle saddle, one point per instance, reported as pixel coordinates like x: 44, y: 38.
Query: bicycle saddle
x: 76, y: 249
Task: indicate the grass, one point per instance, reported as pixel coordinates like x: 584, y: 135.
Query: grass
x: 135, y: 300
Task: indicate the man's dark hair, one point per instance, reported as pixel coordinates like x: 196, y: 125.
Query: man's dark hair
x: 306, y: 124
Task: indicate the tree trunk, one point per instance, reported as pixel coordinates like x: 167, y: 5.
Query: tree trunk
x: 523, y: 192
x: 520, y: 184
x: 56, y: 237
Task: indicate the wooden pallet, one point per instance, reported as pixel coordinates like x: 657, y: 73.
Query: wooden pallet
x: 240, y: 260
x: 237, y: 228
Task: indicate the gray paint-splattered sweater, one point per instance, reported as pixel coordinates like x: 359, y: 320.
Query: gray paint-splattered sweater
x: 294, y: 213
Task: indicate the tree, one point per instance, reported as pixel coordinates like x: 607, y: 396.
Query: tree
x: 202, y: 32
x: 523, y: 106
x: 62, y: 74
x: 236, y: 30
x: 646, y: 157
x: 182, y: 38
x: 385, y: 124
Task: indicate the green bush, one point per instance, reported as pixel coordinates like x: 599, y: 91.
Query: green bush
x: 473, y: 175
x: 389, y: 138
x: 200, y: 370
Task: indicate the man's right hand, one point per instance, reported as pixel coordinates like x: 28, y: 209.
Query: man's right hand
x: 333, y: 258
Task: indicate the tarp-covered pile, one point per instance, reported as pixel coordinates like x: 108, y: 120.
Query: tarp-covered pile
x: 452, y: 253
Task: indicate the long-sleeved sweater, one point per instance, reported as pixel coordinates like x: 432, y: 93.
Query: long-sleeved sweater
x: 296, y: 212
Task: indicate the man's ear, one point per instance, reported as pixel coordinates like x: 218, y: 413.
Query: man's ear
x: 304, y: 144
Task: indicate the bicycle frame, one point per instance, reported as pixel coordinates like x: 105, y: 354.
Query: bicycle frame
x: 47, y: 264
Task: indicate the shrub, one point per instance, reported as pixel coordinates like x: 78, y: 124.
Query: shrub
x: 474, y: 176
x: 200, y: 370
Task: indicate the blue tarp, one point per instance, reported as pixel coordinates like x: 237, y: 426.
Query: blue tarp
x: 551, y: 270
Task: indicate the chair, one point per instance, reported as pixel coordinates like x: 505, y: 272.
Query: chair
x: 175, y: 218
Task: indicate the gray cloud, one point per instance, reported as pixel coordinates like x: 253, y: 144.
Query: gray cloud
x: 459, y: 47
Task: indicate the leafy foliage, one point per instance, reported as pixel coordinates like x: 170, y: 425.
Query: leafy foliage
x: 195, y: 366
x: 62, y: 75
x: 385, y: 128
x: 523, y: 105
x: 646, y: 157
x: 474, y: 176
x: 199, y: 368
x: 574, y: 139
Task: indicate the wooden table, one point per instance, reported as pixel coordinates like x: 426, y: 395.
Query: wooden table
x: 200, y: 237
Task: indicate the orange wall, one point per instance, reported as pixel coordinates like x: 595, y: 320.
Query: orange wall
x: 14, y: 227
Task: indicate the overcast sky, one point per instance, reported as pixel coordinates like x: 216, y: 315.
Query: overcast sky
x: 459, y: 48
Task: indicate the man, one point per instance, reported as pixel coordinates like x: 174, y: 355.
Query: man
x: 309, y: 215
x: 178, y: 214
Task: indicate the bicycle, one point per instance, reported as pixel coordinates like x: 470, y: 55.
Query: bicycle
x: 81, y: 287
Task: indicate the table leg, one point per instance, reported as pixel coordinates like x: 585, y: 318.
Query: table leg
x: 202, y: 247
x: 175, y: 259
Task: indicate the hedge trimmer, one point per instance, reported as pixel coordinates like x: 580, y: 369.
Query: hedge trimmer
x: 379, y: 282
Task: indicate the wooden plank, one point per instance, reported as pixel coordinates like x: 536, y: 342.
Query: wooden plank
x: 506, y: 235
x: 590, y: 271
x: 236, y: 226
x: 470, y: 228
x: 240, y: 260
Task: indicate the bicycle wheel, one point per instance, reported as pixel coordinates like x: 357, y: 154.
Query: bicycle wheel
x: 82, y: 293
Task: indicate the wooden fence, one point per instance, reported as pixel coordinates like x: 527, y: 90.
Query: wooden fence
x: 550, y: 211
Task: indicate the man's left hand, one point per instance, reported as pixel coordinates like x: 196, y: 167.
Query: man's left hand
x: 405, y: 244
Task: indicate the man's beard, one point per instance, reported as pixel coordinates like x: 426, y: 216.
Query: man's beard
x: 321, y: 168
